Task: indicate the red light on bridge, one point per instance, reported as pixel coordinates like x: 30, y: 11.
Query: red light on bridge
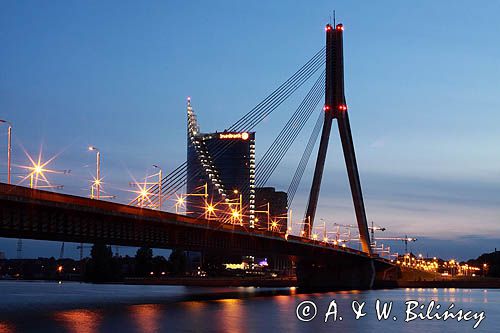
x: 342, y: 107
x: 340, y: 27
x: 326, y: 108
x: 328, y: 27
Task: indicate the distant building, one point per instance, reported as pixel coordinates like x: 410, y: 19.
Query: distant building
x: 2, y: 255
x: 222, y: 166
x: 274, y: 203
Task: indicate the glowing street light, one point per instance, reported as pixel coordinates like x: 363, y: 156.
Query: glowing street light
x: 145, y: 191
x: 97, y: 181
x: 274, y: 226
x: 179, y: 202
x: 181, y: 199
x: 9, y: 148
x: 209, y: 210
x: 37, y: 171
x: 143, y: 196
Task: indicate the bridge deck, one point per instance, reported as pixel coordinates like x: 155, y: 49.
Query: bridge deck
x: 37, y: 214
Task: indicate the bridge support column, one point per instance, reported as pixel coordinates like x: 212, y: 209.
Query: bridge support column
x: 343, y: 273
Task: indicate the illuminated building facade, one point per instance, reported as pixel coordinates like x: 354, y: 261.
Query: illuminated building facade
x: 223, y: 165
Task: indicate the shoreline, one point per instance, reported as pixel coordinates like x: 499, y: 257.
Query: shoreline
x: 489, y: 283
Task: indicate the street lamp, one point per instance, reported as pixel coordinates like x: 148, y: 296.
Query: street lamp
x: 37, y: 171
x: 97, y: 181
x: 9, y: 147
x: 9, y: 157
x: 180, y: 202
x: 160, y: 178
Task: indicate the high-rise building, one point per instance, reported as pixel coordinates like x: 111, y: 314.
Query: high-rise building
x: 271, y: 209
x: 220, y: 174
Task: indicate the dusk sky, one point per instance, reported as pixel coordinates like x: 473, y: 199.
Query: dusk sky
x: 422, y: 85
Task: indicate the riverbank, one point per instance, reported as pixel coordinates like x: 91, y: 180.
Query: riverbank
x: 479, y: 283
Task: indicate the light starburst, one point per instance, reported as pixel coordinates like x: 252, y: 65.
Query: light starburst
x: 37, y: 170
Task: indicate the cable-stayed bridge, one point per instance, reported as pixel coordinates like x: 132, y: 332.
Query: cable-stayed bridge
x: 36, y: 214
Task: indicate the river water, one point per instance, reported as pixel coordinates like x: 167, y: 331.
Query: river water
x: 85, y: 308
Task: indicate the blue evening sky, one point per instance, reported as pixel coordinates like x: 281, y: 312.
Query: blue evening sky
x: 422, y: 82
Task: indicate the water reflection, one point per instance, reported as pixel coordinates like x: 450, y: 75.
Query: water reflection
x: 146, y: 317
x: 271, y: 312
x: 79, y: 321
x: 232, y: 315
x: 6, y: 327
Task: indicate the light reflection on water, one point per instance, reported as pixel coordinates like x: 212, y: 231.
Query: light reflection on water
x: 146, y: 316
x: 6, y: 328
x: 79, y: 321
x: 230, y: 315
x: 147, y: 309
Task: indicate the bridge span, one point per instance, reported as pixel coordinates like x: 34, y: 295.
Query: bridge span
x: 36, y: 214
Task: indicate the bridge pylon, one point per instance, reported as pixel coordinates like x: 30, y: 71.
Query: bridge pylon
x: 336, y: 107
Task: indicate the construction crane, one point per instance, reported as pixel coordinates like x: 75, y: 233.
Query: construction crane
x: 373, y: 228
x: 404, y: 239
x: 348, y: 233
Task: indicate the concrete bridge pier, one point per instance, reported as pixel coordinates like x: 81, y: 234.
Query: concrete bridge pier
x: 339, y: 273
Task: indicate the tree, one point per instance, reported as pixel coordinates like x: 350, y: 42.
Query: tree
x: 492, y: 262
x: 160, y: 264
x: 143, y: 261
x: 101, y: 267
x: 178, y: 262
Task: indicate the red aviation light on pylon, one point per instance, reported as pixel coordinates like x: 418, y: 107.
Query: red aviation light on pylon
x: 326, y: 108
x: 328, y: 27
x: 340, y: 27
x: 342, y: 107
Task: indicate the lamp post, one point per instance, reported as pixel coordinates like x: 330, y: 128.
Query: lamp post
x: 9, y: 158
x: 159, y: 185
x: 9, y: 147
x: 97, y: 181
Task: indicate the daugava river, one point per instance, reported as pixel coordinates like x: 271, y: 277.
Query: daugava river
x: 86, y: 308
